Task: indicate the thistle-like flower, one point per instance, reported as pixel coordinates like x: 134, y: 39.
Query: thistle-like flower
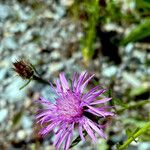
x: 72, y: 109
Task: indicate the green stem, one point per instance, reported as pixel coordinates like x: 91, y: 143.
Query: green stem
x: 133, y: 106
x: 77, y: 140
x: 39, y: 79
x: 137, y: 134
x: 35, y: 70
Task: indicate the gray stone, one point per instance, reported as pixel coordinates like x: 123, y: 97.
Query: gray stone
x: 9, y: 43
x: 129, y: 48
x: 26, y: 122
x: 18, y: 27
x: 21, y: 134
x: 67, y: 3
x: 3, y: 114
x: 109, y: 71
x: 144, y: 146
x: 4, y: 11
x: 12, y: 92
x: 131, y: 79
x: 2, y: 74
x: 56, y: 44
x: 139, y: 55
x: 60, y: 11
x: 54, y: 67
x: 55, y: 55
x: 49, y: 94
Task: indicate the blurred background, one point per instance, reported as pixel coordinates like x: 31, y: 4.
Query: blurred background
x: 110, y: 38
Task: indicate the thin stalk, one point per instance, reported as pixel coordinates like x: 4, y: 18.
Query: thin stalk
x: 137, y: 134
x: 77, y: 140
x: 25, y: 84
x: 39, y: 79
x: 133, y: 106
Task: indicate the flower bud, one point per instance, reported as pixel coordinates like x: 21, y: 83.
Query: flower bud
x: 24, y: 69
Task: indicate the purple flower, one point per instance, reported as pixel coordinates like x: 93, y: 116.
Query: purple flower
x: 74, y: 108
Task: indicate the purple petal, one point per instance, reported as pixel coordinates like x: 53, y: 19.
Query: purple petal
x: 99, y: 131
x: 63, y: 126
x: 61, y: 139
x: 47, y: 129
x: 80, y: 132
x: 100, y: 113
x: 74, y: 81
x: 103, y: 126
x: 47, y: 112
x: 90, y: 92
x: 68, y: 140
x: 96, y: 110
x: 64, y: 82
x: 89, y: 131
x: 92, y: 112
x: 48, y: 119
x: 106, y: 113
x: 67, y: 143
x: 58, y: 86
x: 53, y: 88
x: 58, y: 135
x: 83, y: 86
x: 45, y: 119
x: 100, y: 101
x: 42, y: 100
x: 80, y: 81
x: 92, y: 97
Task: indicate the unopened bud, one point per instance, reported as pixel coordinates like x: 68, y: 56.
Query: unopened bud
x: 24, y: 69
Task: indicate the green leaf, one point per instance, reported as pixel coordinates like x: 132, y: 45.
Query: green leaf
x: 119, y: 102
x: 87, y: 42
x: 143, y: 3
x: 25, y: 84
x: 139, y: 32
x: 139, y: 90
x: 128, y: 132
x: 17, y: 118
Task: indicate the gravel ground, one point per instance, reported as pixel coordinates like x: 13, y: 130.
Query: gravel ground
x: 45, y: 35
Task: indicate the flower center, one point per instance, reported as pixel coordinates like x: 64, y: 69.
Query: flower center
x: 69, y: 107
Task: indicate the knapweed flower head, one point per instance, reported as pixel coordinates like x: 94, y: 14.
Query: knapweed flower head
x: 73, y: 109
